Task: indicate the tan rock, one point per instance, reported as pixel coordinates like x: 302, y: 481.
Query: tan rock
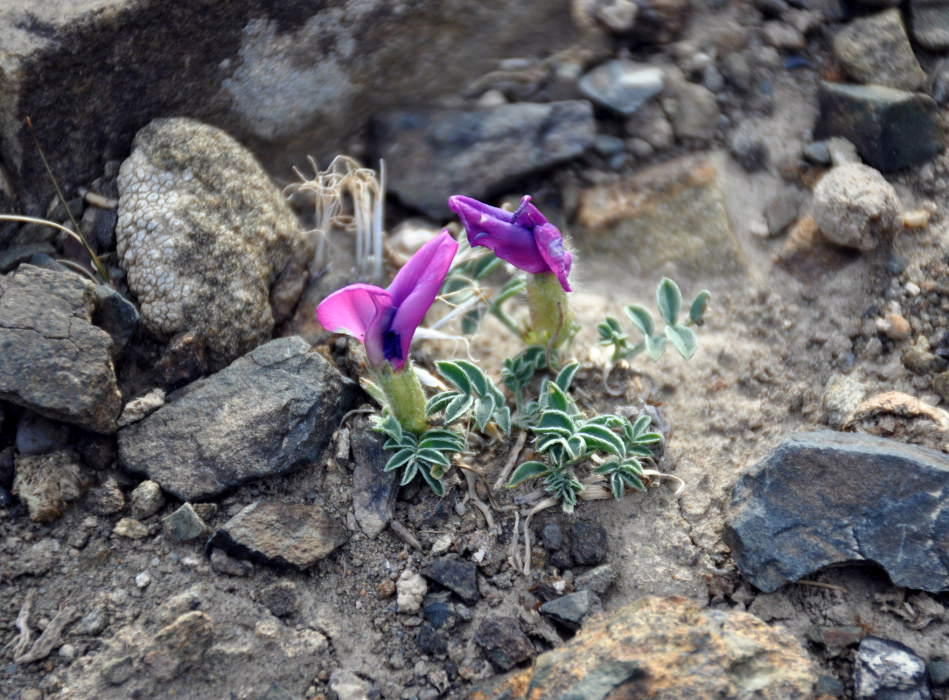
x: 48, y: 483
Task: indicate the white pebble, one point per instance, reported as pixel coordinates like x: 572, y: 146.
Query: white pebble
x: 143, y: 579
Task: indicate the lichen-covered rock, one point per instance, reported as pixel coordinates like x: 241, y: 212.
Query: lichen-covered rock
x: 856, y: 207
x: 203, y: 234
x: 48, y: 483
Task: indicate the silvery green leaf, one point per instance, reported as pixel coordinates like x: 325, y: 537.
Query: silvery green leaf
x: 439, y: 401
x: 669, y: 299
x: 475, y: 376
x: 655, y: 346
x: 455, y: 374
x: 374, y: 391
x: 641, y: 318
x: 502, y: 417
x: 566, y: 375
x: 699, y: 306
x: 399, y: 459
x: 554, y: 421
x: 434, y: 456
x: 483, y: 410
x: 599, y: 438
x: 457, y: 408
x: 434, y: 483
x: 527, y: 471
x: 683, y: 339
x: 556, y: 399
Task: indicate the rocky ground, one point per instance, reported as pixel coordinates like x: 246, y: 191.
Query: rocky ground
x: 231, y: 533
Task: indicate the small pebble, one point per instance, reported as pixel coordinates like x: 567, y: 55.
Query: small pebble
x: 131, y: 528
x: 143, y: 579
x: 916, y: 218
x: 897, y: 327
x: 441, y: 545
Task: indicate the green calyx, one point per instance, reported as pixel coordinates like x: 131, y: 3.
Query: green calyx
x: 551, y: 322
x: 404, y: 396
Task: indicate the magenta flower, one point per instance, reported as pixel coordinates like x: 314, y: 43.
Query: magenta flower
x: 384, y: 320
x: 524, y: 237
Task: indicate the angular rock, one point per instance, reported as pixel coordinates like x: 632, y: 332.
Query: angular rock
x: 504, y: 642
x: 374, y: 489
x: 36, y: 434
x: 432, y: 155
x: 131, y: 528
x: 665, y: 648
x: 184, y: 524
x: 48, y: 483
x: 53, y: 360
x: 888, y: 669
x: 696, y: 112
x: 460, y: 577
x: 266, y: 414
x: 116, y: 315
x: 672, y: 212
x: 573, y: 609
x: 856, y: 207
x: 281, y: 534
x: 930, y: 23
x: 281, y: 598
x: 179, y: 646
x: 622, y: 86
x: 240, y: 64
x: 876, y: 50
x: 823, y: 498
x: 892, y: 129
x: 597, y: 579
x: 588, y: 543
x: 106, y: 499
x: 145, y: 500
x: 203, y: 234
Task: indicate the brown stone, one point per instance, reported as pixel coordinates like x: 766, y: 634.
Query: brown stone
x: 665, y: 648
x: 48, y: 483
x: 180, y: 645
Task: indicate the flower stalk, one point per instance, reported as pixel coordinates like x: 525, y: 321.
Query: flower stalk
x: 551, y: 320
x: 404, y: 396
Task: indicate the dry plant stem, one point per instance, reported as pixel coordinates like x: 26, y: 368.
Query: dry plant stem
x: 405, y: 535
x: 23, y: 624
x: 51, y: 635
x: 543, y: 505
x: 476, y: 501
x: 514, y: 557
x: 511, y: 461
x: 819, y: 584
x: 616, y: 393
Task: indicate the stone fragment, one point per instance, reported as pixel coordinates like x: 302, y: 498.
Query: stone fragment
x: 349, y: 686
x: 116, y: 315
x: 106, y: 499
x: 660, y: 21
x: 657, y: 648
x: 48, y: 483
x: 588, y: 543
x: 622, y: 86
x: 142, y: 406
x: 179, y: 646
x: 430, y: 641
x: 504, y: 642
x: 919, y: 358
x: 131, y: 528
x: 672, y: 212
x: 145, y: 500
x: 892, y: 129
x: 888, y: 669
x: 265, y: 414
x: 696, y: 112
x: 783, y: 210
x: 36, y: 434
x: 34, y: 560
x: 281, y: 534
x: 224, y: 563
x: 54, y: 360
x: 783, y: 36
x: 876, y: 50
x: 748, y: 148
x: 598, y: 579
x: 185, y: 359
x: 432, y: 155
x: 939, y: 81
x: 281, y: 598
x: 460, y: 577
x: 184, y: 524
x: 573, y: 609
x: 856, y: 207
x: 207, y: 268
x: 841, y: 397
x: 410, y: 589
x: 374, y: 489
x: 929, y: 22
x: 822, y: 498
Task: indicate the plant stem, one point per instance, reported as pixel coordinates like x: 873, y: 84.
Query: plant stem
x: 404, y: 396
x: 550, y: 317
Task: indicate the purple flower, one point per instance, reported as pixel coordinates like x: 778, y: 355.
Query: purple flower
x: 524, y: 237
x: 384, y: 320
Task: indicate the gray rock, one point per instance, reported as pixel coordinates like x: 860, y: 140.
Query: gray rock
x: 184, y: 524
x: 224, y: 563
x: 856, y: 207
x: 876, y: 50
x: 696, y: 112
x: 54, y: 361
x: 892, y: 129
x: 617, y: 16
x: 93, y: 622
x: 888, y: 669
x: 939, y: 81
x: 460, y: 577
x: 748, y: 148
x: 267, y: 413
x: 783, y: 210
x: 817, y: 152
x: 203, y: 234
x: 929, y: 20
x: 281, y: 598
x: 588, y: 543
x: 504, y: 642
x: 598, y: 579
x: 841, y: 397
x: 179, y: 646
x: 573, y: 609
x: 432, y: 155
x: 841, y: 151
x: 106, y: 498
x: 145, y: 500
x: 36, y: 434
x: 348, y: 686
x: 824, y: 497
x: 116, y: 315
x: 11, y: 258
x: 48, y: 483
x: 374, y: 489
x: 621, y: 86
x: 280, y: 534
x: 938, y: 673
x: 243, y: 69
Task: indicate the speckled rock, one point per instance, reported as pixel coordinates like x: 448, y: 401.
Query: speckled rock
x: 876, y: 50
x: 856, y: 207
x: 202, y: 235
x: 930, y: 23
x: 504, y: 642
x: 657, y: 648
x: 180, y: 645
x: 54, y: 360
x: 48, y: 483
x: 887, y: 669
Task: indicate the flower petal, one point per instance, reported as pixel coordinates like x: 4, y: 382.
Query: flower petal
x: 359, y: 310
x: 527, y: 214
x: 557, y: 258
x: 471, y: 211
x: 416, y: 285
x: 494, y: 229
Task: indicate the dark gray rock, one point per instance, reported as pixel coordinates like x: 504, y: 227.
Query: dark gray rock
x: 430, y: 640
x: 552, y: 537
x: 184, y: 524
x: 892, y: 129
x: 460, y: 577
x: 281, y: 598
x: 588, y: 543
x: 52, y: 358
x: 280, y: 534
x: 824, y: 497
x: 597, y: 579
x: 438, y: 610
x: 876, y: 50
x: 748, y: 148
x: 36, y: 434
x: 504, y: 642
x: 929, y: 23
x: 888, y: 670
x: 238, y: 63
x: 269, y: 412
x: 622, y: 86
x: 938, y: 673
x: 11, y: 258
x: 573, y: 609
x: 374, y: 489
x: 432, y: 155
x: 939, y: 81
x: 116, y: 315
x: 783, y: 210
